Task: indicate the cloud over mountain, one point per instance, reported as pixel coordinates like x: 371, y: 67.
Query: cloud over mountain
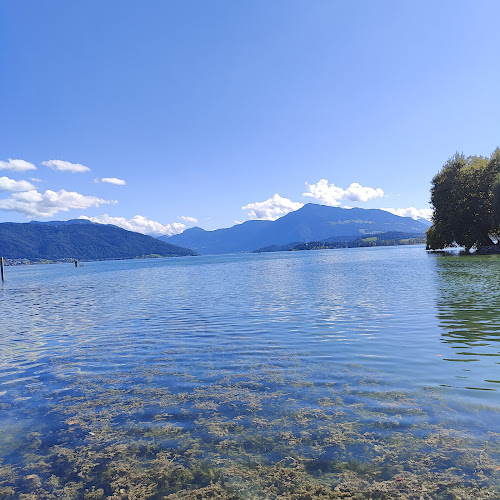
x: 414, y: 213
x: 272, y: 208
x: 139, y: 224
x: 331, y: 195
x: 35, y: 204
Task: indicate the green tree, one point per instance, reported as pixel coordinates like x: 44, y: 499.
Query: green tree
x: 462, y: 195
x: 495, y: 166
x: 496, y: 200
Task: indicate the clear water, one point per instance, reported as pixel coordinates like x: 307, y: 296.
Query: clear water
x: 372, y: 372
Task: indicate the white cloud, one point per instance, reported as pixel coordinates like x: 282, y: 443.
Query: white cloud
x: 35, y: 204
x: 194, y: 220
x: 11, y: 185
x: 357, y: 192
x: 330, y: 194
x: 111, y: 180
x: 271, y: 209
x: 65, y: 166
x: 16, y: 165
x: 139, y: 224
x: 414, y: 213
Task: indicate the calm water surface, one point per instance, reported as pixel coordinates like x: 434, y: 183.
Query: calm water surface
x: 253, y: 376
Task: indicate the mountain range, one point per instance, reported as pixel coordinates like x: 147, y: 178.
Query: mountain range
x: 85, y: 240
x: 312, y: 222
x: 79, y: 239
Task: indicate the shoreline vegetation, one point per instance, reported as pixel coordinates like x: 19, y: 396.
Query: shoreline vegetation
x: 392, y: 238
x: 465, y: 196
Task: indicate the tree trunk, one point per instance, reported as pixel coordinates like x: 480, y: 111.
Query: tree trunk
x: 485, y: 241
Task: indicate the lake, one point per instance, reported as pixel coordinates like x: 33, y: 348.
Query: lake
x: 350, y: 373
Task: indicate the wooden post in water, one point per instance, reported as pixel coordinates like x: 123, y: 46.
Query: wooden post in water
x: 2, y: 269
x: 76, y: 262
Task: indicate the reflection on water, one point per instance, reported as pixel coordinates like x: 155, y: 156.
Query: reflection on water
x: 469, y: 314
x: 292, y: 375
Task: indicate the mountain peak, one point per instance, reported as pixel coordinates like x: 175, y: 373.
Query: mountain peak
x: 194, y: 230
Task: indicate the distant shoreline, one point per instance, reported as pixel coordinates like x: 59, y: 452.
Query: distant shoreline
x: 296, y: 248
x: 380, y: 240
x: 36, y: 262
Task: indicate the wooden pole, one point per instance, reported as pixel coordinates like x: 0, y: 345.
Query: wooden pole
x: 3, y: 270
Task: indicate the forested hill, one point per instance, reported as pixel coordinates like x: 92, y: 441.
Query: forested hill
x: 79, y: 240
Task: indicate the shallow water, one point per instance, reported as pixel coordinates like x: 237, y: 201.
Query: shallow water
x: 323, y: 373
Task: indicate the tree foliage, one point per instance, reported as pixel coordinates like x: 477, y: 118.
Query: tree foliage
x: 495, y: 159
x: 465, y: 195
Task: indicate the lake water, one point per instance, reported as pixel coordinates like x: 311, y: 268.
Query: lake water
x: 351, y: 373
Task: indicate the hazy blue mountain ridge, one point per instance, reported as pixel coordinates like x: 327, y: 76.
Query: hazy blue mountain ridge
x: 312, y: 222
x: 238, y: 238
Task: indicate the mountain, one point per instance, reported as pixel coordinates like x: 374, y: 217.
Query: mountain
x: 312, y: 222
x: 79, y: 239
x: 239, y: 238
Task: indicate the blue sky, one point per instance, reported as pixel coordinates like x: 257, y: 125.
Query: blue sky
x: 204, y: 107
